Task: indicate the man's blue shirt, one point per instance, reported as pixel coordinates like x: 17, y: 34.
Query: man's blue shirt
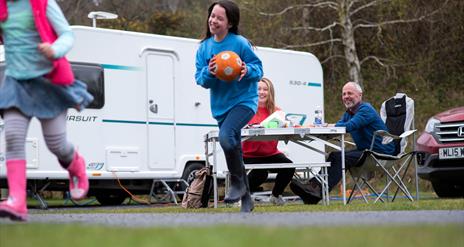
x: 361, y: 124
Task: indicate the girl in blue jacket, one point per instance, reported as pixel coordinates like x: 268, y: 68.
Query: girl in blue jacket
x: 233, y: 103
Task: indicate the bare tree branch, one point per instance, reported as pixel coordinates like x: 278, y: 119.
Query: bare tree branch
x: 347, y: 15
x: 391, y: 22
x: 378, y: 60
x: 353, y: 2
x: 384, y: 23
x: 360, y: 21
x: 373, y: 3
x: 312, y: 44
x: 332, y: 57
x: 319, y: 29
x: 326, y: 4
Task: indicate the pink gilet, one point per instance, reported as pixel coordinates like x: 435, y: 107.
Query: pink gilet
x: 61, y: 73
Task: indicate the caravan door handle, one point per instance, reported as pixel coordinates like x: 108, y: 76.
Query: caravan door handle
x: 153, y: 107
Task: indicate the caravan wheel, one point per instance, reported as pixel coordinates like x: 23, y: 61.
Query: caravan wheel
x: 108, y: 199
x: 189, y: 174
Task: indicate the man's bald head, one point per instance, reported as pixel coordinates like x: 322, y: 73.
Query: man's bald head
x: 354, y: 85
x: 351, y: 94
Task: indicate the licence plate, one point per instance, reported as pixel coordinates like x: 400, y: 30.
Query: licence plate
x: 451, y: 153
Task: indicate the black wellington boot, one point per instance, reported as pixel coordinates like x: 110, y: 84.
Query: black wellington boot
x: 247, y: 202
x: 237, y: 189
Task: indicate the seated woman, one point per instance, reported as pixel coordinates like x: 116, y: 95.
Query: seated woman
x: 264, y: 152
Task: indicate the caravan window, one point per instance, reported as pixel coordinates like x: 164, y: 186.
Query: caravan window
x: 92, y: 75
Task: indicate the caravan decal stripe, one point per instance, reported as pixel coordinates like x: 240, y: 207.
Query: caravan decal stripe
x: 159, y: 123
x: 123, y: 121
x: 120, y: 67
x: 197, y: 125
x: 314, y: 84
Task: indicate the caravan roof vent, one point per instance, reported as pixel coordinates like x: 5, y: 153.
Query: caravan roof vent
x: 94, y: 15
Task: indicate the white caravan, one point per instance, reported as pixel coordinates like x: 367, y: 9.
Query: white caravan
x: 149, y: 117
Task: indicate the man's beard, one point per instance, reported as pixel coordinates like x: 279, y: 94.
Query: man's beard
x: 349, y: 104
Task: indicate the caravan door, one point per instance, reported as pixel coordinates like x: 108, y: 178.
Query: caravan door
x: 160, y: 67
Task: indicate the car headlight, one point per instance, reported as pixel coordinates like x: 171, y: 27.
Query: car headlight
x: 430, y: 126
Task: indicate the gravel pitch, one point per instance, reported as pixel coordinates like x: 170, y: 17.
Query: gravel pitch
x: 288, y: 219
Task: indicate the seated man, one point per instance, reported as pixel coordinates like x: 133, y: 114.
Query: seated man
x: 361, y: 120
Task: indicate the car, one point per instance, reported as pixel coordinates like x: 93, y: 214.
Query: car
x: 440, y: 153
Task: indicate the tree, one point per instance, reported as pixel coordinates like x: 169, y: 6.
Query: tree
x: 344, y: 20
x: 168, y: 17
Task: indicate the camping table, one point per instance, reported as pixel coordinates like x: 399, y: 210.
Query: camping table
x: 300, y: 136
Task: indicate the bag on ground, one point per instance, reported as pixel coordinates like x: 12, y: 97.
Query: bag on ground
x: 198, y: 192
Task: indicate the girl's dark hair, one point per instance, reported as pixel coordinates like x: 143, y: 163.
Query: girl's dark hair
x: 232, y: 13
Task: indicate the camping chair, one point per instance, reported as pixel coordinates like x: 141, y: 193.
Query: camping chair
x: 398, y: 115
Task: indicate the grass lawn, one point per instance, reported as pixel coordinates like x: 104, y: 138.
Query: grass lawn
x: 423, y: 235
x: 39, y: 235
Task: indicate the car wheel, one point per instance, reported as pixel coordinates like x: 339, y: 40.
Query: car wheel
x: 444, y: 189
x: 108, y: 199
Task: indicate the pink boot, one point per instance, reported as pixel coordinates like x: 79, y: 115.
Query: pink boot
x: 16, y: 206
x: 78, y: 181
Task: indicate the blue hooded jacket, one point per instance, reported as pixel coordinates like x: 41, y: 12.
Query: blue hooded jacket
x: 226, y: 95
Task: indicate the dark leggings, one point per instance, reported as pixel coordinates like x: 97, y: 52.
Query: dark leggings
x: 335, y: 169
x: 257, y: 177
x: 230, y: 138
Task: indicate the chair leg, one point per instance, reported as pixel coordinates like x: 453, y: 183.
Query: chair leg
x: 358, y: 186
x: 377, y: 195
x: 393, y: 179
x: 401, y: 181
x: 404, y: 167
x: 416, y: 176
x: 365, y: 182
x: 387, y: 184
x: 395, y: 173
x: 355, y: 186
x: 351, y: 193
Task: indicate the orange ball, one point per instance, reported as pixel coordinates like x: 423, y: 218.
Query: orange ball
x: 228, y: 66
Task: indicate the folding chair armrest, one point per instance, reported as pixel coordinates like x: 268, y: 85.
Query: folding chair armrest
x: 407, y: 133
x: 345, y: 141
x: 350, y: 143
x: 387, y: 137
x: 383, y: 133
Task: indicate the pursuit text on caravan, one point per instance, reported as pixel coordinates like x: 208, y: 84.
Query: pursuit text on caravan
x: 82, y: 118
